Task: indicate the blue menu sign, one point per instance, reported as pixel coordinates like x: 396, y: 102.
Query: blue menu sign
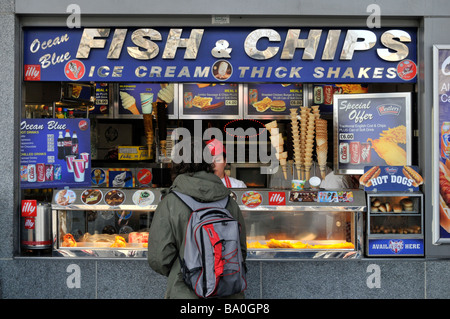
x: 55, y: 153
x: 396, y: 247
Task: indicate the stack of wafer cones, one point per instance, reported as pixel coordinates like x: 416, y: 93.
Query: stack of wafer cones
x: 309, y: 144
x: 276, y: 139
x: 322, y: 145
x: 296, y: 142
x: 304, y: 111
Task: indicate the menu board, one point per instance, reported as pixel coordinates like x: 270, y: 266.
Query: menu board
x: 441, y: 139
x: 55, y: 153
x: 210, y: 101
x: 132, y: 96
x: 267, y: 100
x: 370, y: 130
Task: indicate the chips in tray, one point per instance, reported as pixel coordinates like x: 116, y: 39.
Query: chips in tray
x: 201, y: 102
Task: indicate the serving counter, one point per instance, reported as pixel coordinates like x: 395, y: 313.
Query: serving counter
x: 280, y: 224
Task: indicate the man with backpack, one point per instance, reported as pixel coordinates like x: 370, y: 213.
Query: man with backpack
x: 172, y: 250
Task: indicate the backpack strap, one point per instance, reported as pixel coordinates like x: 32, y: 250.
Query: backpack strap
x: 195, y: 205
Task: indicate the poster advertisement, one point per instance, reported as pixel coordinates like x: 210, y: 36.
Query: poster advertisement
x: 210, y: 100
x: 272, y: 100
x: 371, y: 130
x: 55, y: 153
x: 441, y: 67
x: 137, y: 98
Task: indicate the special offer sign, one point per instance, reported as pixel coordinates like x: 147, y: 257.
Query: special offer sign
x: 370, y: 130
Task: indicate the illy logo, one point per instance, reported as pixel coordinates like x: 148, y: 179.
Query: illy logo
x: 29, y: 223
x: 277, y: 198
x: 32, y: 72
x: 29, y: 208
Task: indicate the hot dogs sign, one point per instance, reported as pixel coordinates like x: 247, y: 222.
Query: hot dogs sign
x: 391, y: 178
x: 371, y: 129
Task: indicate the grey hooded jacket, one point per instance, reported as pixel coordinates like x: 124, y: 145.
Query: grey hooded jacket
x: 169, y: 226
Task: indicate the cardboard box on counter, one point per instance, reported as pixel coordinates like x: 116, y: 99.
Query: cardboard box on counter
x: 133, y: 153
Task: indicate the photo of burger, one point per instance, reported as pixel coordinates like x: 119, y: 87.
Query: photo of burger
x: 278, y: 106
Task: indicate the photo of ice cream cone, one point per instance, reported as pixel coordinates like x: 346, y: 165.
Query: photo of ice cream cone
x: 129, y: 102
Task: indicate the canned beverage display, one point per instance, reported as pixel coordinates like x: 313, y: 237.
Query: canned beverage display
x: 365, y: 153
x: 252, y: 96
x: 187, y: 98
x: 355, y: 152
x: 57, y: 172
x: 344, y: 155
x: 24, y: 173
x: 49, y: 172
x: 31, y: 173
x: 318, y: 95
x: 328, y: 95
x: 40, y: 172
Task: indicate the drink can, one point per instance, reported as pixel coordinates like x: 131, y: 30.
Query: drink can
x: 344, y: 156
x: 252, y: 96
x: 328, y: 95
x: 318, y: 95
x: 365, y: 153
x: 57, y: 171
x: 40, y: 172
x: 49, y: 172
x: 187, y: 98
x: 355, y: 152
x: 445, y: 140
x: 23, y: 173
x: 31, y: 173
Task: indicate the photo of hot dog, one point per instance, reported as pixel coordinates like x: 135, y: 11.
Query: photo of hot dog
x: 366, y: 178
x: 444, y: 197
x: 411, y: 174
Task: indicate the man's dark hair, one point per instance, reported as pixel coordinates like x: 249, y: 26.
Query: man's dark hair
x: 191, y: 167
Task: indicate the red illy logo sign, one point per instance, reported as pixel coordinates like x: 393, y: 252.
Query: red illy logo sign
x: 277, y: 198
x: 29, y: 208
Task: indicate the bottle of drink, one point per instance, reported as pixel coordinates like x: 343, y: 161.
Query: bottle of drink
x: 75, y: 149
x: 71, y: 116
x: 67, y: 144
x: 60, y: 144
x: 65, y: 112
x: 59, y: 114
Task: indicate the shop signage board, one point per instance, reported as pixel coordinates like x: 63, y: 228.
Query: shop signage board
x: 219, y: 54
x: 55, y: 153
x: 371, y: 130
x: 272, y: 100
x: 210, y: 101
x: 132, y: 96
x: 441, y: 143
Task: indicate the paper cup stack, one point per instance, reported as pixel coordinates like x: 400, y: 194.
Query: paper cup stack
x: 322, y: 145
x: 276, y: 139
x: 309, y: 145
x: 296, y: 142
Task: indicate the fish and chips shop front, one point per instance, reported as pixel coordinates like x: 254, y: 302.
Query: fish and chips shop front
x: 337, y: 128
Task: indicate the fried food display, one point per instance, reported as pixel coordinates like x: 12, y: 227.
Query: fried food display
x: 393, y: 154
x: 281, y: 244
x: 69, y: 241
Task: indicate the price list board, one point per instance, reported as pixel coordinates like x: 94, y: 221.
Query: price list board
x: 371, y: 130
